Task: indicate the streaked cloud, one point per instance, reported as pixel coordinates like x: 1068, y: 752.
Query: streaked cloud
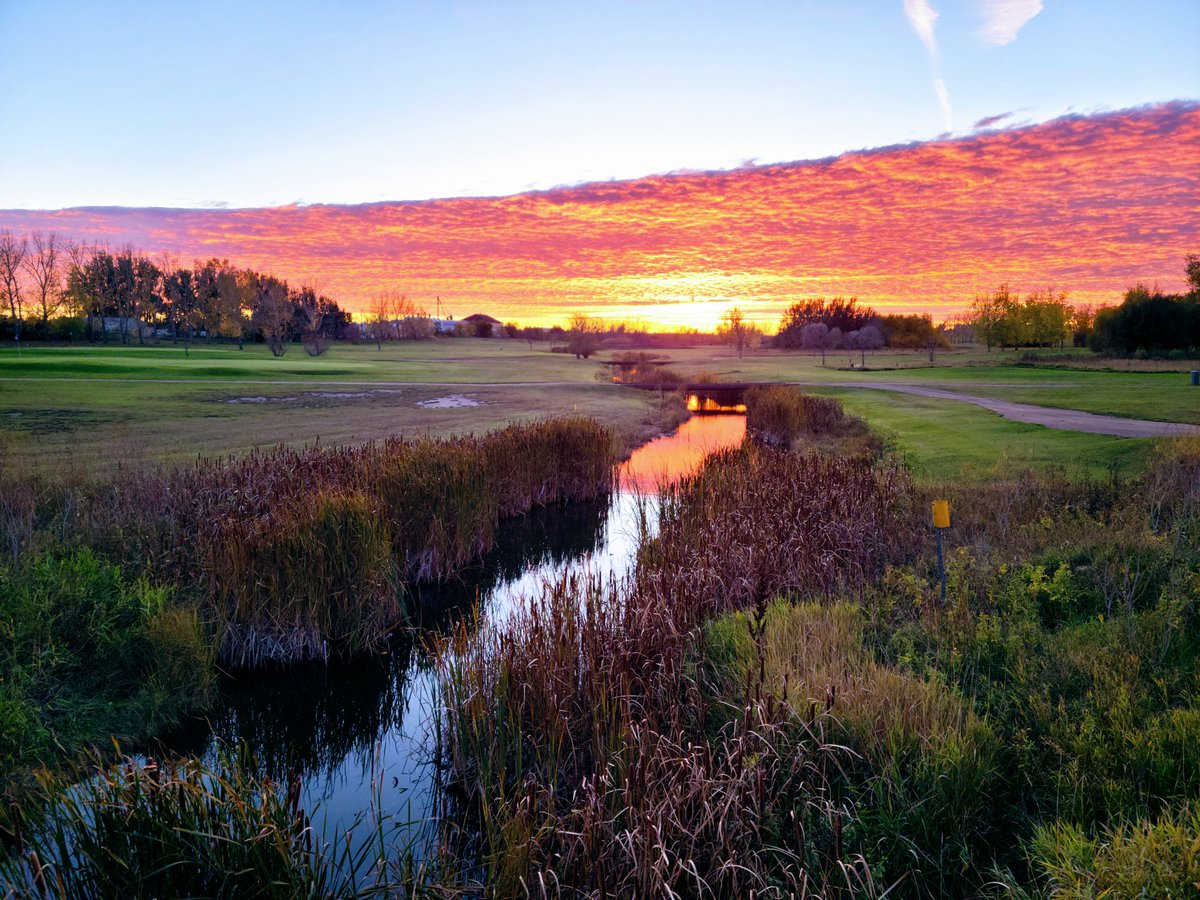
x: 1003, y: 19
x: 989, y: 121
x: 1090, y: 204
x: 922, y: 17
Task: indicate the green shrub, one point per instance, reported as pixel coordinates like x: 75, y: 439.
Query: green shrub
x: 85, y: 654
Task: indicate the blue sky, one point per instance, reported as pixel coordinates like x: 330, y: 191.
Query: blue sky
x: 262, y: 104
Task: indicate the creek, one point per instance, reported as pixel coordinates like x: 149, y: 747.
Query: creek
x: 358, y: 733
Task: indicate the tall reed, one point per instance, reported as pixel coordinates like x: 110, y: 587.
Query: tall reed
x: 580, y: 737
x: 777, y: 414
x: 297, y: 553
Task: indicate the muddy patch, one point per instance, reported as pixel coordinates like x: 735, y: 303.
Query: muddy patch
x: 55, y: 421
x: 322, y: 398
x: 452, y: 401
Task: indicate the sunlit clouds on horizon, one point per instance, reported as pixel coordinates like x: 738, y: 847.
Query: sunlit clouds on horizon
x: 1089, y: 204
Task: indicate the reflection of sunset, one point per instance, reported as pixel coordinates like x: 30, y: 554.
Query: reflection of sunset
x: 672, y: 456
x: 1089, y: 204
x: 709, y: 405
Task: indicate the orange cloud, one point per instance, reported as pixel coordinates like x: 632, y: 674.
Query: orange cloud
x: 1090, y: 204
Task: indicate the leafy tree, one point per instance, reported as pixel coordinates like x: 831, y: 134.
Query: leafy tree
x: 1149, y: 322
x: 179, y: 296
x: 583, y: 336
x: 228, y: 315
x: 845, y: 315
x: 1192, y: 270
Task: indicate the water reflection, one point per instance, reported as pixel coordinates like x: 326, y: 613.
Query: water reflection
x: 358, y: 733
x: 675, y: 455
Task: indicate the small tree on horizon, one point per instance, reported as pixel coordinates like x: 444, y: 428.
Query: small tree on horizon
x: 735, y: 330
x: 13, y: 251
x: 583, y: 336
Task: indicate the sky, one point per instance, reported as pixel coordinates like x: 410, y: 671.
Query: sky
x: 292, y: 115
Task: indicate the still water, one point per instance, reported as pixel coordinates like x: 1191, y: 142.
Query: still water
x: 358, y: 733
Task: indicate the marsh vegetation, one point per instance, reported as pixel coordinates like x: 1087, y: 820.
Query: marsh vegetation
x: 771, y: 698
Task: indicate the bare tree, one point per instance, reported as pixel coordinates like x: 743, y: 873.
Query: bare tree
x: 45, y: 268
x: 869, y: 337
x: 735, y: 330
x: 13, y: 251
x: 273, y: 314
x: 815, y: 337
x: 380, y: 319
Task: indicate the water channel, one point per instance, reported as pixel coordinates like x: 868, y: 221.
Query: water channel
x: 358, y: 733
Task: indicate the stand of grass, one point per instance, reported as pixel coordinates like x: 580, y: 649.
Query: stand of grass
x: 183, y: 830
x: 778, y: 414
x: 88, y: 653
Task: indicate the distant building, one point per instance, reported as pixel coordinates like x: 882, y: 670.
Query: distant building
x: 485, y: 326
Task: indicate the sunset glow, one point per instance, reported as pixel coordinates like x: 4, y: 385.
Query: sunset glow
x: 1086, y: 204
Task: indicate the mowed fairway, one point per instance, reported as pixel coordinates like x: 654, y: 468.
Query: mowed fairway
x: 89, y: 407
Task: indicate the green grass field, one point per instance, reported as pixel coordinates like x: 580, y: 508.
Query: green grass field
x: 88, y: 407
x: 944, y: 441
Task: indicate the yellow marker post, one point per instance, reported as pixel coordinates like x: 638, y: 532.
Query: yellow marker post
x: 941, y: 521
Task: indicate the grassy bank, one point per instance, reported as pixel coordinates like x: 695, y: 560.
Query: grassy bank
x: 88, y: 409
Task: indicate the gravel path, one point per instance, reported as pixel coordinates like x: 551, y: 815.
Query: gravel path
x: 1050, y: 417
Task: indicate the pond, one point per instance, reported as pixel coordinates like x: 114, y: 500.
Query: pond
x: 358, y: 733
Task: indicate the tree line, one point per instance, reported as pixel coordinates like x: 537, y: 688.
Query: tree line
x: 1146, y: 321
x: 53, y: 287
x: 842, y: 324
x: 1151, y: 322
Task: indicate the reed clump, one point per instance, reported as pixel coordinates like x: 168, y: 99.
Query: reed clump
x: 183, y: 829
x: 581, y: 754
x: 778, y: 414
x: 294, y: 554
x: 756, y: 522
x: 320, y: 577
x: 584, y: 741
